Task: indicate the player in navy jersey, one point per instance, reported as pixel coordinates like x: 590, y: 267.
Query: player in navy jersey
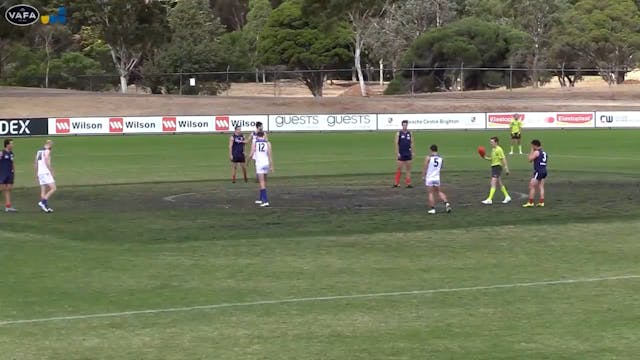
x: 539, y: 158
x: 7, y: 174
x: 404, y: 152
x: 236, y: 154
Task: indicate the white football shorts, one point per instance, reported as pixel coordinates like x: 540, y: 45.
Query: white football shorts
x: 262, y: 168
x: 45, y: 178
x: 432, y: 182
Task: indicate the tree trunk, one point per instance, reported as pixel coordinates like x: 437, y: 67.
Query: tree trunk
x: 122, y: 70
x: 123, y: 84
x: 358, y: 50
x: 315, y: 82
x: 534, y: 65
x: 47, y: 40
x: 620, y: 76
x: 381, y: 73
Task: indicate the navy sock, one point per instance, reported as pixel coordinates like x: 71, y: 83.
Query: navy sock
x: 265, y: 195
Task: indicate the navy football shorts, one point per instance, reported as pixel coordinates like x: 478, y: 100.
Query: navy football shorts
x: 539, y: 175
x: 238, y: 158
x: 6, y: 179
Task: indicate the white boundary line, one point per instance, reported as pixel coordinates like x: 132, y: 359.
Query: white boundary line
x: 314, y: 299
x: 172, y: 198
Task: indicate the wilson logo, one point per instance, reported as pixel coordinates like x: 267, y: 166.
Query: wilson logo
x: 116, y: 125
x: 22, y: 15
x: 63, y: 126
x: 222, y: 123
x: 169, y: 124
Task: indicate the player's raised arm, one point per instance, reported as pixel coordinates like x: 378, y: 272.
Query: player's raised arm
x: 533, y: 155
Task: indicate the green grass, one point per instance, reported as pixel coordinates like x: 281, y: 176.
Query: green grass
x: 335, y: 228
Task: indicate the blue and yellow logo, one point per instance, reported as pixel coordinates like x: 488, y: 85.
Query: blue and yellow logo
x: 59, y: 18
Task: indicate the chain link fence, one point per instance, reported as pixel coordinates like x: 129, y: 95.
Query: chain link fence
x: 278, y: 81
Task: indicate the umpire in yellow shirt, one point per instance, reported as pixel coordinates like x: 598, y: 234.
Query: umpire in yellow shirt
x: 516, y: 132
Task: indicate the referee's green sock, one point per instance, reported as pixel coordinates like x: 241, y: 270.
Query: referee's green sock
x: 491, y: 193
x: 504, y: 191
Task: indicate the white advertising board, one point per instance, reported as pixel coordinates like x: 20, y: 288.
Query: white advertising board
x: 246, y: 122
x: 333, y: 122
x: 432, y: 121
x: 80, y: 125
x: 618, y: 119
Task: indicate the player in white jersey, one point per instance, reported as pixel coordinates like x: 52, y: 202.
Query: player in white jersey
x: 431, y: 175
x: 254, y: 137
x: 261, y: 152
x: 44, y: 174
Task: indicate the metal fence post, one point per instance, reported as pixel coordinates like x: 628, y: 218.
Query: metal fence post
x: 511, y: 77
x: 462, y: 76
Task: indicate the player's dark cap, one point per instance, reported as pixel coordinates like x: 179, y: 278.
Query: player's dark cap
x: 7, y: 142
x: 434, y: 147
x: 260, y: 134
x: 536, y: 142
x: 495, y: 138
x: 405, y: 122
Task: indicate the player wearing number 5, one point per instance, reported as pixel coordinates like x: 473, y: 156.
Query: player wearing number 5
x: 431, y: 175
x: 539, y: 159
x: 497, y: 159
x: 261, y: 152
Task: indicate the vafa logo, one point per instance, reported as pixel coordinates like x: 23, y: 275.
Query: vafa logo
x: 25, y: 15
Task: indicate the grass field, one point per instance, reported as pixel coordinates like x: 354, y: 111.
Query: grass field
x: 152, y: 253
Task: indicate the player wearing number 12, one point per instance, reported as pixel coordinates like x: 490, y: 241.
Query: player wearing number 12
x: 261, y: 152
x: 431, y: 175
x: 539, y: 159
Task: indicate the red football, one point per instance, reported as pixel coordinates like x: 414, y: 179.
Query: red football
x: 481, y: 151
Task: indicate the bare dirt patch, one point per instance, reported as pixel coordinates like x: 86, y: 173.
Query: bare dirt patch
x: 29, y: 102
